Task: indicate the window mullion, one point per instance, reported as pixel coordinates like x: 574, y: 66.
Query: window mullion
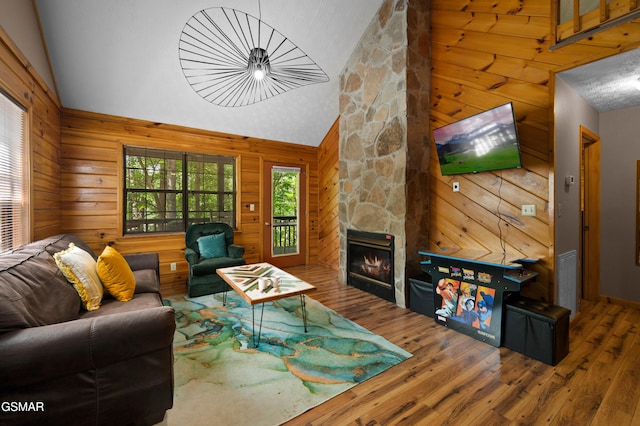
x: 185, y: 192
x: 220, y: 188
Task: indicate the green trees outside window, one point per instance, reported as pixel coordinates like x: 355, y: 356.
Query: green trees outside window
x: 166, y: 191
x: 285, y: 189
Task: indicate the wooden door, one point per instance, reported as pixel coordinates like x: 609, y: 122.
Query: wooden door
x: 284, y: 214
x: 590, y: 213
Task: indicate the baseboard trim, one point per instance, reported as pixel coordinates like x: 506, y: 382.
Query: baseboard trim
x: 621, y: 302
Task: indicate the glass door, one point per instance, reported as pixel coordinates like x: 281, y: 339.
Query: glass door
x: 284, y: 214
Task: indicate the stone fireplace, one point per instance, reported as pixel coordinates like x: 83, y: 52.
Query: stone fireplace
x: 384, y: 141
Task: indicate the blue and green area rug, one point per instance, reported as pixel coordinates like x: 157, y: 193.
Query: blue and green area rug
x: 220, y: 378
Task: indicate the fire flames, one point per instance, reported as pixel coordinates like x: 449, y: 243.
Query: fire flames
x: 375, y: 266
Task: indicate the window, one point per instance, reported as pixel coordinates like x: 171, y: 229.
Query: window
x: 14, y: 175
x: 166, y: 191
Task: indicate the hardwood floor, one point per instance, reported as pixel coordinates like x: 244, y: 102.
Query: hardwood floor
x: 455, y: 379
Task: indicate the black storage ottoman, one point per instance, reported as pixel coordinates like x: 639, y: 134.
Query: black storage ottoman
x: 421, y: 295
x: 536, y: 329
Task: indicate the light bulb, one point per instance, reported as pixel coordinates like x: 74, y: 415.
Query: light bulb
x: 258, y: 74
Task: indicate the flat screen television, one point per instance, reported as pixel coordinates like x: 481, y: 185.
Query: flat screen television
x: 483, y: 142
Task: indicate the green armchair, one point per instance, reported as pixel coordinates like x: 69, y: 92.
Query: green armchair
x: 209, y: 246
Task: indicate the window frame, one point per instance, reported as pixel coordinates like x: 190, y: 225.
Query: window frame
x: 21, y: 234
x: 183, y: 191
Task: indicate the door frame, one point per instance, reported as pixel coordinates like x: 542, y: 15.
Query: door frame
x: 265, y: 215
x: 589, y: 214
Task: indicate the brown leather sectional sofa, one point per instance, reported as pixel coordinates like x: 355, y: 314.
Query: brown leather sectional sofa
x: 60, y: 364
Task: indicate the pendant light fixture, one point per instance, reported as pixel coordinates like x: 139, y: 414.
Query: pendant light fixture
x: 233, y: 59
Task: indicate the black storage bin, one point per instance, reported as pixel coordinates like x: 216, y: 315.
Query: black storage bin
x: 421, y: 295
x: 536, y: 329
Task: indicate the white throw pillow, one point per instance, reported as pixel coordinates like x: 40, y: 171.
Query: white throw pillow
x: 79, y: 267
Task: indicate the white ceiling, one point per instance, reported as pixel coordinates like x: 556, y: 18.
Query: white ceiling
x: 121, y: 58
x: 608, y: 84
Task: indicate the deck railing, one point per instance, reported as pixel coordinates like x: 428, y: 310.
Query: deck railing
x: 285, y: 233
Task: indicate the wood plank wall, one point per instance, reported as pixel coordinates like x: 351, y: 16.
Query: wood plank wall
x: 329, y: 238
x: 91, y: 184
x: 485, y: 54
x: 19, y: 79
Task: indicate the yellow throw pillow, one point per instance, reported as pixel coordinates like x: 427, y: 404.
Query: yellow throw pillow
x: 116, y: 274
x: 79, y: 268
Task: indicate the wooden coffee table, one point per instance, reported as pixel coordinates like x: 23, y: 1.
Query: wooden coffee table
x: 244, y: 280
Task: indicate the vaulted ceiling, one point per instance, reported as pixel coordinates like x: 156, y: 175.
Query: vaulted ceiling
x: 122, y: 58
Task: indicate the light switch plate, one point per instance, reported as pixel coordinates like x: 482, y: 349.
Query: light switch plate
x: 528, y: 210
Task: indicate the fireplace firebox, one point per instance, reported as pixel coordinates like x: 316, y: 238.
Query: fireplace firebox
x: 370, y: 263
